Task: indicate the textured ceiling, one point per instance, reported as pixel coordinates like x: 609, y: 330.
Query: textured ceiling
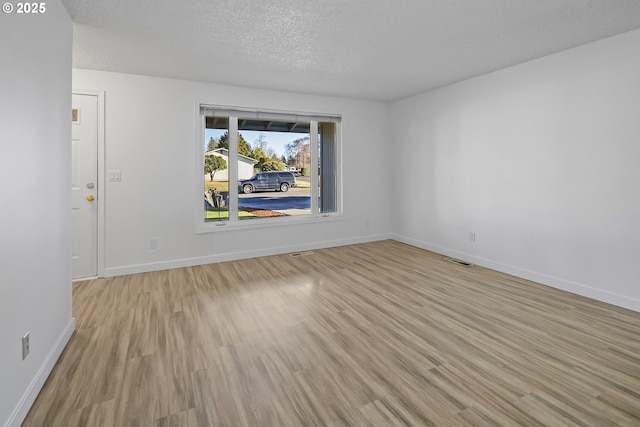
x: 369, y: 49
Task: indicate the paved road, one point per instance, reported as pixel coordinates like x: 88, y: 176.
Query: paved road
x: 288, y: 202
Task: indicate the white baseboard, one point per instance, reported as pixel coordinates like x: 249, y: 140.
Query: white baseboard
x: 29, y: 396
x: 545, y: 279
x: 232, y: 256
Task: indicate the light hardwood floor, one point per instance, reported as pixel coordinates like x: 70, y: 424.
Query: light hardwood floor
x: 374, y: 334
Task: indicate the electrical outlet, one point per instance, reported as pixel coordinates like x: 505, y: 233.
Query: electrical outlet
x: 153, y: 243
x: 472, y: 236
x: 25, y: 345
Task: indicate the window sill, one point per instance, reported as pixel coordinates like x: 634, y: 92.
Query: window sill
x: 248, y: 224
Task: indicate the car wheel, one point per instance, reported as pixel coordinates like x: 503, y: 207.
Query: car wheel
x: 247, y: 188
x: 284, y: 187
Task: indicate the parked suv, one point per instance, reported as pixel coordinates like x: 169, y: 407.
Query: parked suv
x: 267, y: 181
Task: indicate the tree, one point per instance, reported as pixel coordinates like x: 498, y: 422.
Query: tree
x: 271, y: 165
x: 212, y: 145
x: 243, y: 146
x: 299, y: 152
x: 263, y: 144
x: 265, y: 163
x: 213, y: 164
x: 257, y: 153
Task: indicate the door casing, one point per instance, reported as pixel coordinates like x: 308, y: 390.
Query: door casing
x: 100, y: 199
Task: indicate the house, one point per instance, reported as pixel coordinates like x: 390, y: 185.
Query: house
x: 245, y: 165
x: 527, y: 167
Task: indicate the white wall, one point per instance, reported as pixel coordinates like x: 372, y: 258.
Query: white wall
x: 540, y: 160
x: 35, y: 228
x: 150, y: 134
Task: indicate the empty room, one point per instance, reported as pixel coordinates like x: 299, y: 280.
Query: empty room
x: 349, y: 213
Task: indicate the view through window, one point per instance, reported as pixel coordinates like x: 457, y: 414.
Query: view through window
x: 260, y: 165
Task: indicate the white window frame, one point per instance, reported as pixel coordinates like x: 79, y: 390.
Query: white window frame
x: 234, y: 223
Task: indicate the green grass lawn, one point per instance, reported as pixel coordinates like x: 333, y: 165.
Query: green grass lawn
x: 219, y: 185
x: 223, y: 213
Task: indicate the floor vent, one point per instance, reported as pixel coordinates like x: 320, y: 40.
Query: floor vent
x: 459, y: 262
x: 306, y: 253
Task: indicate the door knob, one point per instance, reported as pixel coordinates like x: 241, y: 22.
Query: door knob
x: 90, y: 198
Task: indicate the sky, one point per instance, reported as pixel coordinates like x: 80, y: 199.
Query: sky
x: 275, y: 140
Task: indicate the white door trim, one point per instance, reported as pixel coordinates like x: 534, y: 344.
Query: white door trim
x: 101, y: 174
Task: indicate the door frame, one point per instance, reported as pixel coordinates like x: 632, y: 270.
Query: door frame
x: 101, y: 175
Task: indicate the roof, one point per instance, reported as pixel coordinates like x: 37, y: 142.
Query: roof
x: 225, y: 152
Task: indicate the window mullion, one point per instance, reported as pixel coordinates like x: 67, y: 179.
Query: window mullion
x: 232, y: 169
x: 313, y: 167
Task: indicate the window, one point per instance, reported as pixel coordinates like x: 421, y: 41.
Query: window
x: 262, y: 166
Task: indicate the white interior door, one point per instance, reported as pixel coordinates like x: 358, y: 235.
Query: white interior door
x: 84, y: 186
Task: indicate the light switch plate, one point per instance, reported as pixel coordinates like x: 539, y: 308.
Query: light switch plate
x: 114, y: 176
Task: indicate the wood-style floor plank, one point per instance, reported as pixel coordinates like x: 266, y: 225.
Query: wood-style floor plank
x: 377, y: 334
